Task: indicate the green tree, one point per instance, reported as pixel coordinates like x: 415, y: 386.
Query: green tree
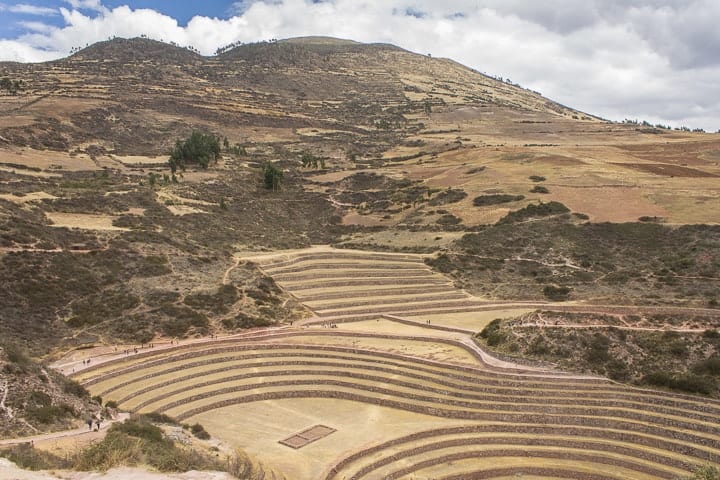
x: 199, y: 148
x: 309, y: 160
x: 272, y: 176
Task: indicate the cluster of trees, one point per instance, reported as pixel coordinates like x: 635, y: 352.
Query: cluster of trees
x: 309, y: 160
x: 645, y: 123
x: 12, y: 86
x: 199, y: 148
x: 202, y: 149
x: 272, y: 176
x: 228, y: 47
x: 155, y: 178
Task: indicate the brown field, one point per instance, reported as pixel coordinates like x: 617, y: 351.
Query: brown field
x: 668, y: 170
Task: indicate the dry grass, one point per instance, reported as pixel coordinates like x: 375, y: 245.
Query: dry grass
x: 84, y: 221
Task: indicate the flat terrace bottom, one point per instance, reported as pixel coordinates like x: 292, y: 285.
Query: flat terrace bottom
x: 307, y: 436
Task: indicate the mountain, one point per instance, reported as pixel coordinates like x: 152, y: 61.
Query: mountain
x: 134, y: 96
x: 512, y: 196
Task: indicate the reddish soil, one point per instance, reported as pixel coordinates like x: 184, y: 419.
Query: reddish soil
x: 668, y: 170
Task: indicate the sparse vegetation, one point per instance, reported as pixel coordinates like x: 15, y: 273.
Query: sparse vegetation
x: 535, y: 211
x: 139, y: 442
x: 496, y: 199
x: 13, y: 87
x: 451, y: 195
x: 556, y: 293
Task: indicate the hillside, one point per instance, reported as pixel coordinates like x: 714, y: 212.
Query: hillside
x: 417, y: 200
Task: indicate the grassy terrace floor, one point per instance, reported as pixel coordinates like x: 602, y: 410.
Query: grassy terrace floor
x: 406, y: 391
x: 428, y: 418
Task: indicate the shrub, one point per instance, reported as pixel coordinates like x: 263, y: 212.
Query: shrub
x: 711, y: 334
x: 160, y: 418
x: 27, y: 457
x: 597, y: 352
x: 534, y: 211
x: 442, y: 263
x: 706, y: 472
x: 39, y: 398
x: 709, y: 366
x: 539, y: 189
x: 448, y: 196
x: 243, y: 320
x: 617, y: 370
x: 492, y: 334
x: 687, y: 382
x: 72, y: 387
x: 199, y: 431
x: 538, y: 346
x: 555, y: 293
x: 138, y: 427
x: 448, y: 220
x: 537, y: 178
x: 49, y: 413
x: 496, y: 199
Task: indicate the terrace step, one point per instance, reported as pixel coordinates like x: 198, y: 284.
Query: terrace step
x: 350, y: 302
x: 344, y: 266
x: 407, y: 308
x: 370, y: 282
x: 347, y: 274
x: 464, y: 459
x: 356, y: 293
x: 365, y: 462
x: 306, y: 257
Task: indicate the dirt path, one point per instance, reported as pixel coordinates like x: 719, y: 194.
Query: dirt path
x: 75, y: 361
x: 77, y: 433
x: 226, y: 275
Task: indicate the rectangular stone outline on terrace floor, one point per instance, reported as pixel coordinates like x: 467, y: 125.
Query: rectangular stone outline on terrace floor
x: 307, y: 436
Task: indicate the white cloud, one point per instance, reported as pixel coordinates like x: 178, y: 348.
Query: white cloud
x: 26, y: 9
x: 649, y: 59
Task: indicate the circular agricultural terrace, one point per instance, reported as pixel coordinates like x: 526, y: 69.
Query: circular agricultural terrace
x: 385, y: 383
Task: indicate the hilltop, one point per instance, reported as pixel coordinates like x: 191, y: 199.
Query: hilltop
x: 128, y: 96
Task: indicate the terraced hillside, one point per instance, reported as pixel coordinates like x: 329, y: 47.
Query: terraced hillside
x: 385, y: 382
x: 346, y: 285
x: 396, y: 406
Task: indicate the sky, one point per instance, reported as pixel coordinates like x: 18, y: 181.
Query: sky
x: 654, y: 60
